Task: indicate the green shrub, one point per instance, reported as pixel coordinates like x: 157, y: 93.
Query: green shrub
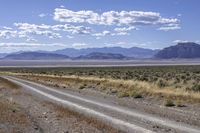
x: 196, y: 87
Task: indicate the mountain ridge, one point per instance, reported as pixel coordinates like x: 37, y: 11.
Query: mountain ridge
x: 181, y: 50
x: 129, y: 52
x: 34, y: 56
x: 101, y: 56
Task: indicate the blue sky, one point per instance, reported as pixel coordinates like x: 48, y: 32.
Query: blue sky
x: 56, y: 24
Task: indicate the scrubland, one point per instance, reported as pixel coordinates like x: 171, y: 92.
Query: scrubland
x: 172, y: 84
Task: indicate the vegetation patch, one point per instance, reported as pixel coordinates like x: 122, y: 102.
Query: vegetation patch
x: 173, y: 82
x: 169, y: 103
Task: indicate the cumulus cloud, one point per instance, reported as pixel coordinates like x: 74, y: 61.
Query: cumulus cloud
x: 123, y: 18
x: 7, y: 28
x: 72, y: 29
x: 7, y: 34
x: 170, y: 27
x: 125, y: 29
x: 44, y: 29
x: 27, y: 29
x: 104, y: 33
x: 117, y: 32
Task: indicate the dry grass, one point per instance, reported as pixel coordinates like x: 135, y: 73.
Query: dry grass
x: 121, y: 88
x: 63, y: 112
x: 7, y: 83
x: 12, y: 117
x: 10, y: 113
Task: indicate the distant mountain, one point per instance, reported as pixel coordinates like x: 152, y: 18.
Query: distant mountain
x: 101, y: 56
x: 129, y: 52
x: 3, y: 55
x: 35, y: 56
x: 181, y: 50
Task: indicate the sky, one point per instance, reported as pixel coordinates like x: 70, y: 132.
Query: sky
x: 30, y: 25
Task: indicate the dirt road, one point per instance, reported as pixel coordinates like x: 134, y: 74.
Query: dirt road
x: 120, y: 117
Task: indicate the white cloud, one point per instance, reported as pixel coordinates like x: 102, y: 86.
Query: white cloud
x: 121, y: 34
x: 179, y: 15
x: 42, y: 15
x: 27, y: 30
x: 29, y: 39
x: 126, y: 18
x: 14, y: 44
x: 124, y: 29
x: 79, y: 45
x: 70, y: 37
x: 62, y: 6
x: 121, y: 43
x: 118, y: 32
x: 72, y: 29
x: 104, y: 33
x: 180, y: 41
x: 7, y: 28
x: 185, y: 41
x: 169, y: 27
x: 7, y: 34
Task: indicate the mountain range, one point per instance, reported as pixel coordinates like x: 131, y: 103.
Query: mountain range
x: 181, y: 50
x: 3, y: 55
x: 101, y: 56
x: 35, y: 56
x: 128, y: 52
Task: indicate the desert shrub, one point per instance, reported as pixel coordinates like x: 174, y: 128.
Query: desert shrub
x: 82, y: 86
x: 169, y: 103
x: 196, y: 88
x: 161, y: 83
x: 123, y: 94
x: 43, y: 72
x: 136, y: 95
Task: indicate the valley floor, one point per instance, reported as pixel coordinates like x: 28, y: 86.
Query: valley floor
x: 103, y: 100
